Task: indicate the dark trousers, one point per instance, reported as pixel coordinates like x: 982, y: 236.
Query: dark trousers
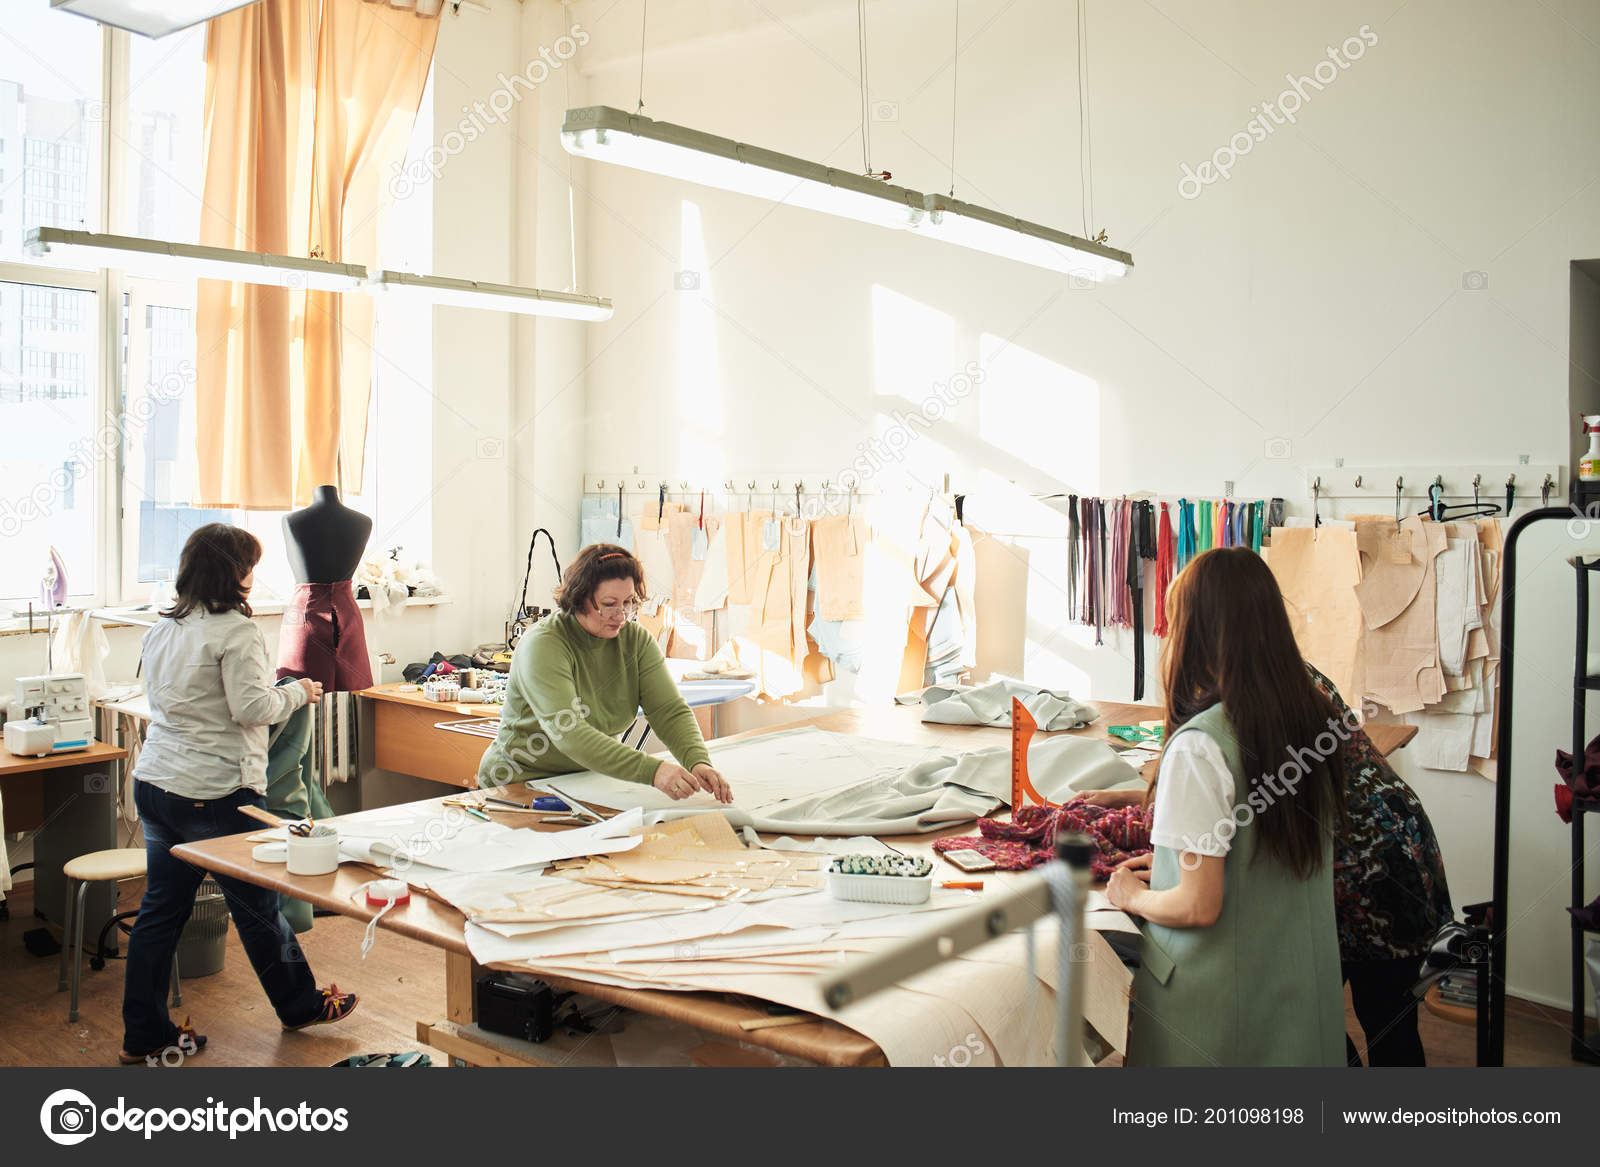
x: 1381, y: 993
x: 169, y: 893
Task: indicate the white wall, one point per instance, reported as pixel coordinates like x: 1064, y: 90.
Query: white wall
x: 1316, y: 295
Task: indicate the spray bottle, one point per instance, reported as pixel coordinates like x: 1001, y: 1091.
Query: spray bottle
x: 1589, y: 465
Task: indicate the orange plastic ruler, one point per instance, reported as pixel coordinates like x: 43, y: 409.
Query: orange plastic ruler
x: 1022, y: 730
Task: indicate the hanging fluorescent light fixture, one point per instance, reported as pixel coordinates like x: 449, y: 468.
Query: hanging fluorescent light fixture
x: 477, y: 294
x: 157, y: 257
x: 178, y: 261
x: 989, y: 231
x: 633, y: 140
x: 151, y: 18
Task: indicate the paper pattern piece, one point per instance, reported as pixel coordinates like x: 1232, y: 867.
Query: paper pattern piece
x: 1317, y: 571
x: 1426, y: 644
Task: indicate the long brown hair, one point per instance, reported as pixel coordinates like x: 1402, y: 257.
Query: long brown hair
x: 211, y: 571
x: 594, y: 565
x: 1230, y: 641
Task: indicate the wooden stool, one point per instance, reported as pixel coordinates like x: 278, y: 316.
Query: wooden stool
x: 96, y: 867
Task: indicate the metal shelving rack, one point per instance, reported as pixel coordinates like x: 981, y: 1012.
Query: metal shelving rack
x: 1583, y: 683
x: 1489, y: 941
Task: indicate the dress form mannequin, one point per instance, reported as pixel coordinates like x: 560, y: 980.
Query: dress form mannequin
x: 326, y: 539
x: 323, y: 635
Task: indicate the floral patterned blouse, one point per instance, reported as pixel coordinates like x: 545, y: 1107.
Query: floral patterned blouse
x: 1389, y: 887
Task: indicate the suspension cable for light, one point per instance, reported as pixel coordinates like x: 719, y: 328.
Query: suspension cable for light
x: 611, y: 135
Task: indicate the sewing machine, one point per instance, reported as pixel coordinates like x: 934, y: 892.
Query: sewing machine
x: 55, y: 716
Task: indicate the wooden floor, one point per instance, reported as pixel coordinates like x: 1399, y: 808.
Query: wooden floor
x: 400, y: 983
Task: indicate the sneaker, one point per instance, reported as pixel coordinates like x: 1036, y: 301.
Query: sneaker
x: 186, y: 1046
x: 336, y: 1006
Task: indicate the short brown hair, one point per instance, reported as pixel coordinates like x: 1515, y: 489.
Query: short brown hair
x: 214, y: 561
x: 596, y: 564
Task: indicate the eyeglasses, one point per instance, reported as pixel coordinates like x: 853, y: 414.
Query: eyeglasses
x: 628, y: 608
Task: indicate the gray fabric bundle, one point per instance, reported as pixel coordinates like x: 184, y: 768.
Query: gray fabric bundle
x: 990, y: 704
x: 943, y: 791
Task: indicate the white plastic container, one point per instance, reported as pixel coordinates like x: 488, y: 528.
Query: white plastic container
x: 880, y: 889
x: 314, y: 854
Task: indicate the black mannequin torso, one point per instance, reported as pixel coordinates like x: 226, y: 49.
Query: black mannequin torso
x: 325, y: 540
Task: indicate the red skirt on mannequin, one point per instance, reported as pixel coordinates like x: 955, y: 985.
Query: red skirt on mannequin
x: 324, y: 638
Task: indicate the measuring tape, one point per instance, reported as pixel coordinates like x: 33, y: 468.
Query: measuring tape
x: 1022, y: 730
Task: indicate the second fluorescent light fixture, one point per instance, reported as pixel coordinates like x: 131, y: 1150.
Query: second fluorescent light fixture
x: 476, y: 294
x: 177, y: 261
x: 151, y: 18
x: 613, y: 135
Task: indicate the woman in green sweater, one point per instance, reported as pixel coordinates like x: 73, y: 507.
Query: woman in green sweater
x: 578, y: 680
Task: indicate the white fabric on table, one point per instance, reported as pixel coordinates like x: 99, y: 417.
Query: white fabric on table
x: 990, y: 704
x: 808, y: 781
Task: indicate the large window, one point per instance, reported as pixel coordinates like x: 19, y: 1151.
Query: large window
x: 97, y: 367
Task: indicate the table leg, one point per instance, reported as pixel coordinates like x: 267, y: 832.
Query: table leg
x: 460, y: 976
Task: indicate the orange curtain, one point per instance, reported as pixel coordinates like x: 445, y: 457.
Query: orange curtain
x: 308, y: 103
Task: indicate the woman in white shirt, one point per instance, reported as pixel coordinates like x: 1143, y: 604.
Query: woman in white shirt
x: 1240, y: 960
x: 212, y: 698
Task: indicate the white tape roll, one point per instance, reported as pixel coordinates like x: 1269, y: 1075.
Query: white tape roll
x: 270, y: 853
x: 387, y: 891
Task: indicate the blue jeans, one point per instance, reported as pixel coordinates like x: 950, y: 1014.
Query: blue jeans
x: 170, y: 888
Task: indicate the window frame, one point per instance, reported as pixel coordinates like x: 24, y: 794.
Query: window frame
x: 116, y: 562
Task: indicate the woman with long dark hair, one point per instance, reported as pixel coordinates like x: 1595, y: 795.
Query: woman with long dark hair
x: 1241, y: 954
x: 211, y: 699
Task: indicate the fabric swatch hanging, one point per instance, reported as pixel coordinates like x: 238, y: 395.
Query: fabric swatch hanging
x: 1100, y: 523
x: 1141, y: 546
x: 1164, y: 569
x: 1186, y: 533
x: 1073, y: 569
x: 1091, y: 565
x: 1117, y: 599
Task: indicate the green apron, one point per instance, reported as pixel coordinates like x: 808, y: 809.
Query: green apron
x: 1261, y: 986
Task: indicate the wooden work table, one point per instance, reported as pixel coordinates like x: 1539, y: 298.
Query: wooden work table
x: 442, y: 926
x: 406, y: 738
x: 70, y: 799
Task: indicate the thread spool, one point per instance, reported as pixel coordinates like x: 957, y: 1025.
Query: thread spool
x: 383, y: 892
